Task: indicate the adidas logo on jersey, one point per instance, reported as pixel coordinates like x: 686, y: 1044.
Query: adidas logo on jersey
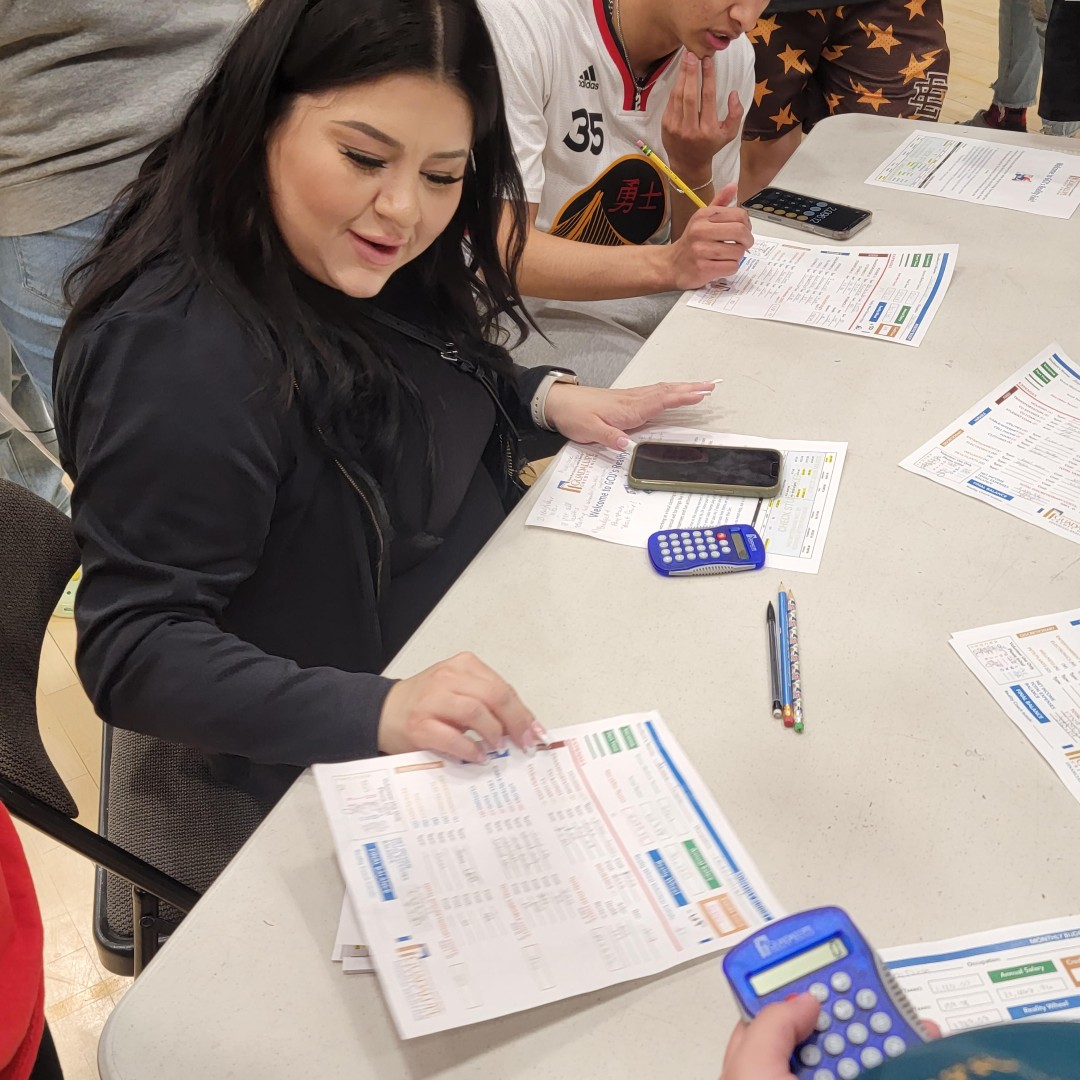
x: 587, y: 79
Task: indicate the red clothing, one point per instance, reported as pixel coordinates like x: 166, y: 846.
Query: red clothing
x: 22, y: 978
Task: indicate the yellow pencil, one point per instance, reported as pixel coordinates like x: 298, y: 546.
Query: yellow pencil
x: 680, y: 185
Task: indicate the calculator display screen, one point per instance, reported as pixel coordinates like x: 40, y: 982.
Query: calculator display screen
x: 740, y: 547
x: 778, y: 203
x: 828, y: 952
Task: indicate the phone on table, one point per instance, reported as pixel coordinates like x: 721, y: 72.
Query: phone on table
x: 753, y: 472
x: 805, y: 212
x: 865, y: 1017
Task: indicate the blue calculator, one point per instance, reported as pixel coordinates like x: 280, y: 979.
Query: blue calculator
x: 865, y: 1017
x: 695, y: 552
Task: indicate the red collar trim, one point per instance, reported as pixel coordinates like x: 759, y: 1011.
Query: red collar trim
x: 630, y: 87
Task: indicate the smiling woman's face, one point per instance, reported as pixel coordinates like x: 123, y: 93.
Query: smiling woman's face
x: 365, y: 178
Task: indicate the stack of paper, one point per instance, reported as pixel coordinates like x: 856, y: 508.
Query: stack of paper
x: 348, y: 952
x: 482, y: 890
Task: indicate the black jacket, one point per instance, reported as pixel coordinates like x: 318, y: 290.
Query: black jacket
x: 1060, y: 98
x: 228, y: 600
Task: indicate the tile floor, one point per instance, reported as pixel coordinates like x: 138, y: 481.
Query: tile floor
x: 79, y: 992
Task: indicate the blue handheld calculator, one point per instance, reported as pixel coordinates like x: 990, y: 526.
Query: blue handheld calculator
x: 694, y: 552
x: 865, y: 1017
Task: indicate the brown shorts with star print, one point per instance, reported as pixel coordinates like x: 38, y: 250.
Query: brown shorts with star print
x: 883, y: 57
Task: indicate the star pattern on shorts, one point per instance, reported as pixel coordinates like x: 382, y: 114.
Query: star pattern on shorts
x: 764, y: 30
x: 784, y: 118
x: 916, y: 69
x: 762, y: 88
x: 818, y: 13
x: 792, y: 59
x: 914, y: 7
x: 874, y: 98
x: 834, y: 101
x: 834, y: 52
x: 883, y: 39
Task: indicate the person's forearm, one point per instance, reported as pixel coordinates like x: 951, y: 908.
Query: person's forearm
x: 559, y: 269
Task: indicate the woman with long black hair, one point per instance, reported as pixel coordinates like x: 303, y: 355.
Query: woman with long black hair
x: 281, y: 399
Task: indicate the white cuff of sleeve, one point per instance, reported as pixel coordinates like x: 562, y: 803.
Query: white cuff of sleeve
x: 539, y: 399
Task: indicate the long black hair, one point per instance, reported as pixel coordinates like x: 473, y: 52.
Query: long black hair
x: 201, y: 208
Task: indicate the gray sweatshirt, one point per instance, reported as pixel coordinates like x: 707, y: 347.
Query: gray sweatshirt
x: 86, y: 89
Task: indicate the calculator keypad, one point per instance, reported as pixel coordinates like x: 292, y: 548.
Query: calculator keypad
x: 696, y: 549
x: 847, y: 1029
x: 787, y: 204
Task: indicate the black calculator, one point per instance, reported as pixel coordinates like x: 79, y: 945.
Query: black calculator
x: 807, y: 213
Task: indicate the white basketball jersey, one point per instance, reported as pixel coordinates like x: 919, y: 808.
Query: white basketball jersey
x: 575, y: 112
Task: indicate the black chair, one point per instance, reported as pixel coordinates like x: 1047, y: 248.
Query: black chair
x: 166, y: 828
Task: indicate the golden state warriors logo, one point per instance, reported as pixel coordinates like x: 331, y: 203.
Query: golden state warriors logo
x: 626, y: 204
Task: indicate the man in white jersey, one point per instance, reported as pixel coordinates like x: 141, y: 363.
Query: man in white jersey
x: 611, y: 241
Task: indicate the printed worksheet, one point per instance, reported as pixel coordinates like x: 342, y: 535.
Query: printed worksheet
x: 487, y: 889
x: 1032, y: 670
x: 1029, y: 972
x: 1036, y: 181
x: 348, y: 950
x: 1019, y: 447
x: 887, y: 293
x: 585, y: 490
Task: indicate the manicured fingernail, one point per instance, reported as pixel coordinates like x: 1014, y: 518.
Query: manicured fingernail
x: 540, y: 732
x: 622, y: 444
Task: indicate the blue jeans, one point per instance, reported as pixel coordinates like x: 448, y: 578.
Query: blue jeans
x: 32, y: 314
x: 1021, y: 35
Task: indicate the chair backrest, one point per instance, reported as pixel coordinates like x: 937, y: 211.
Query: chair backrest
x: 38, y: 555
x: 161, y: 803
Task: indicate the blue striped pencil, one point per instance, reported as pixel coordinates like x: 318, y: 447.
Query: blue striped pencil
x: 785, y: 664
x: 793, y: 646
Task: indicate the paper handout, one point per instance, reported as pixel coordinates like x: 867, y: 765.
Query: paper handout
x: 585, y: 491
x: 1037, y: 181
x: 1032, y: 669
x: 486, y: 889
x: 1018, y: 448
x: 1029, y: 972
x: 886, y: 293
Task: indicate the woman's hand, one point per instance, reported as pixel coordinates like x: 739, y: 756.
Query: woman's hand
x: 434, y: 709
x: 588, y: 414
x: 761, y: 1050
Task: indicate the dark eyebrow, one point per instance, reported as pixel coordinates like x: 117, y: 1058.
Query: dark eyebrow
x: 386, y: 140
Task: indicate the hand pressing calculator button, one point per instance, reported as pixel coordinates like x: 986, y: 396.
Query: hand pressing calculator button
x: 863, y: 1016
x: 721, y: 550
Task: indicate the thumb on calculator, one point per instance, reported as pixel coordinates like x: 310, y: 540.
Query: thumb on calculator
x: 761, y: 1050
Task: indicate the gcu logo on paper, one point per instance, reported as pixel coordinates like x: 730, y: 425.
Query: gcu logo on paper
x: 767, y: 946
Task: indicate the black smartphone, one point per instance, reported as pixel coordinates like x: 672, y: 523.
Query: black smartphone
x: 805, y: 212
x: 714, y: 470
